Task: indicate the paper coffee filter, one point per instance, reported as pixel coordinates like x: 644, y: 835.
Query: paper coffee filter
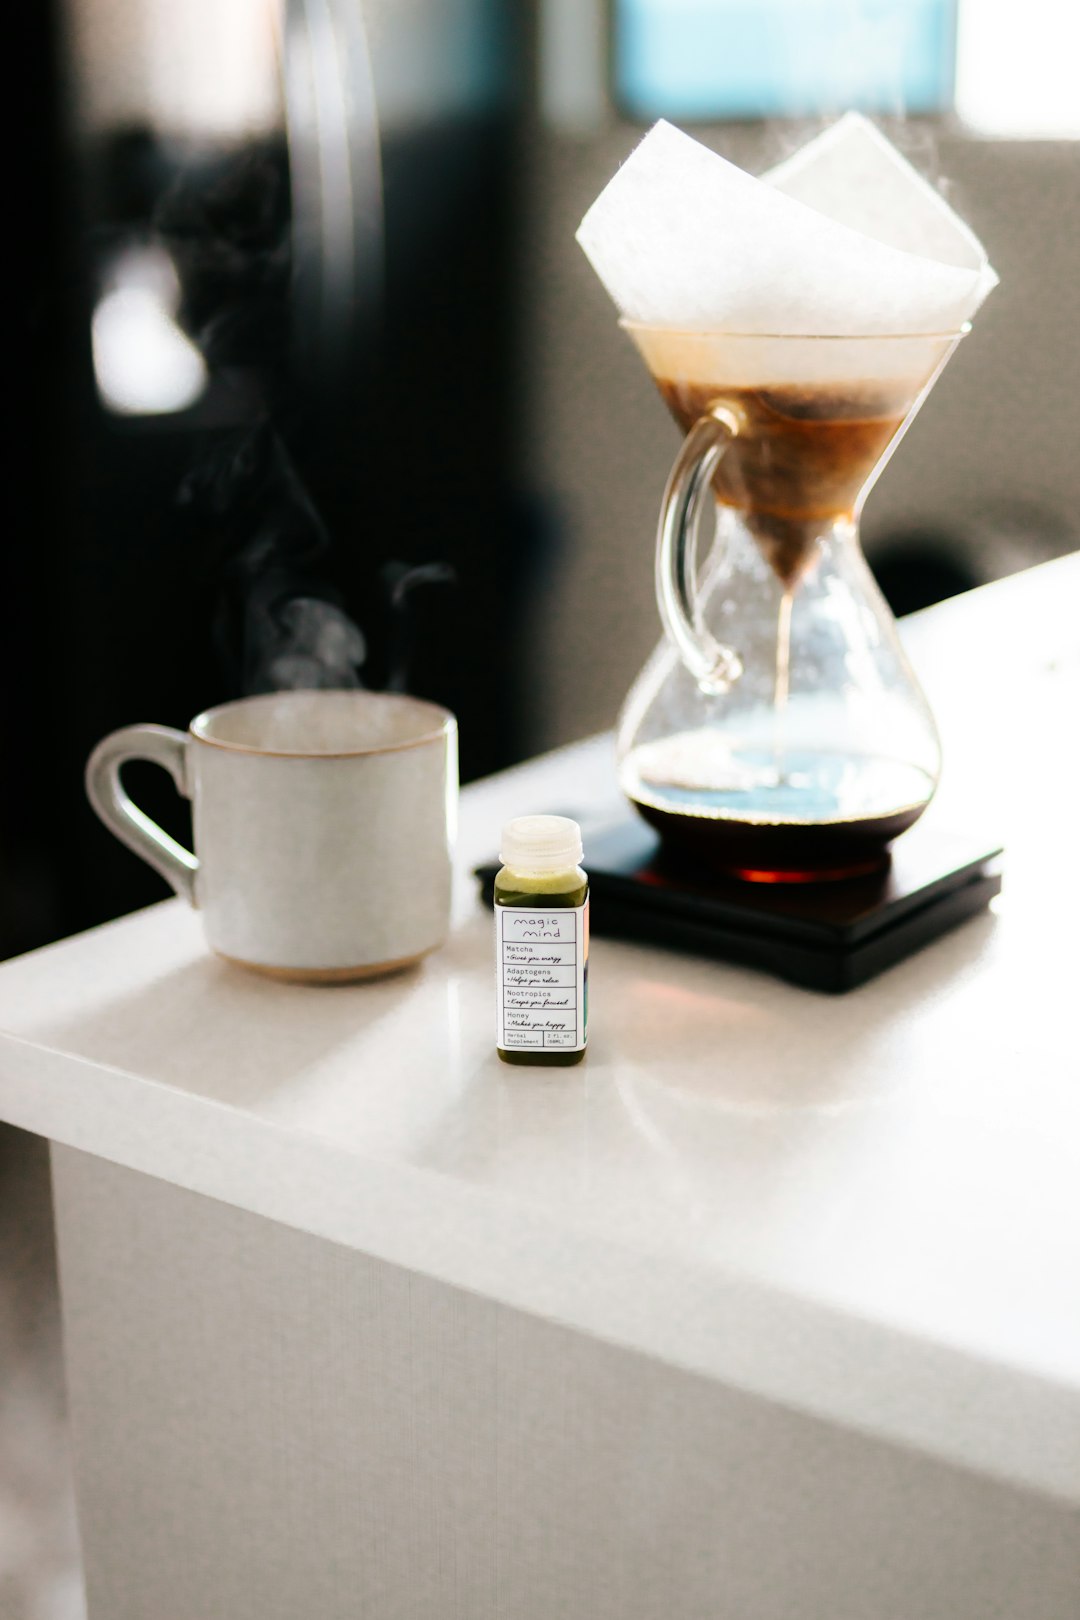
x: 854, y: 175
x: 842, y: 239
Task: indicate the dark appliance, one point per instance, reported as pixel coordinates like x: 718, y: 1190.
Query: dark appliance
x: 272, y: 417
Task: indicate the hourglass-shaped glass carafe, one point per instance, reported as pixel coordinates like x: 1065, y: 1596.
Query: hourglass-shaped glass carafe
x: 778, y: 731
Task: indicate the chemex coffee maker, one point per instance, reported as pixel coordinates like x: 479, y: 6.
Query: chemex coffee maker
x: 793, y: 327
x: 778, y: 733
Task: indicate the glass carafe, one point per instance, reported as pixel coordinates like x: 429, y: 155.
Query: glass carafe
x: 778, y: 732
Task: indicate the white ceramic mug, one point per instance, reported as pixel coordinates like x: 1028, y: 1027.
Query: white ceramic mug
x: 323, y: 824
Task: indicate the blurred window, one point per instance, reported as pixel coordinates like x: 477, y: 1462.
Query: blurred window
x: 1017, y: 68
x: 735, y: 59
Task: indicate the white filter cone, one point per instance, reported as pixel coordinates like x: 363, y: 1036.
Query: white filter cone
x: 842, y: 239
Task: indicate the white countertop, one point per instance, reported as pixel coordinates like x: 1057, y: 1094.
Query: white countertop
x: 865, y: 1207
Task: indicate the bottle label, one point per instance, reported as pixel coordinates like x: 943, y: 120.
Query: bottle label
x: 542, y: 970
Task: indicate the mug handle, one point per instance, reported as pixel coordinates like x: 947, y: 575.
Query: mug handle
x: 163, y: 746
x: 714, y: 666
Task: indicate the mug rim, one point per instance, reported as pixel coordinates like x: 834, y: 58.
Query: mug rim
x: 446, y: 723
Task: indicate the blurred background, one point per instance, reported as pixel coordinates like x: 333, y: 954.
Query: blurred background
x: 321, y: 387
x: 317, y: 387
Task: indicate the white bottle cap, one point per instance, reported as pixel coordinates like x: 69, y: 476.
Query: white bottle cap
x: 541, y: 844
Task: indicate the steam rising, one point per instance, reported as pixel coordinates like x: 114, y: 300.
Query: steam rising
x: 280, y: 624
x: 317, y: 646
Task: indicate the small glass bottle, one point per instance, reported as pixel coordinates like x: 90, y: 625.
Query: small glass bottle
x: 542, y: 942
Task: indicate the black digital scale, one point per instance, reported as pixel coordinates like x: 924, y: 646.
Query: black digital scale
x: 828, y: 936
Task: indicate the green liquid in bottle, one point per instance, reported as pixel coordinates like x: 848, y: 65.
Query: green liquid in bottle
x: 549, y: 891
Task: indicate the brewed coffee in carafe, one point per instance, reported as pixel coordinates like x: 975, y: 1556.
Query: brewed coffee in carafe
x: 778, y: 733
